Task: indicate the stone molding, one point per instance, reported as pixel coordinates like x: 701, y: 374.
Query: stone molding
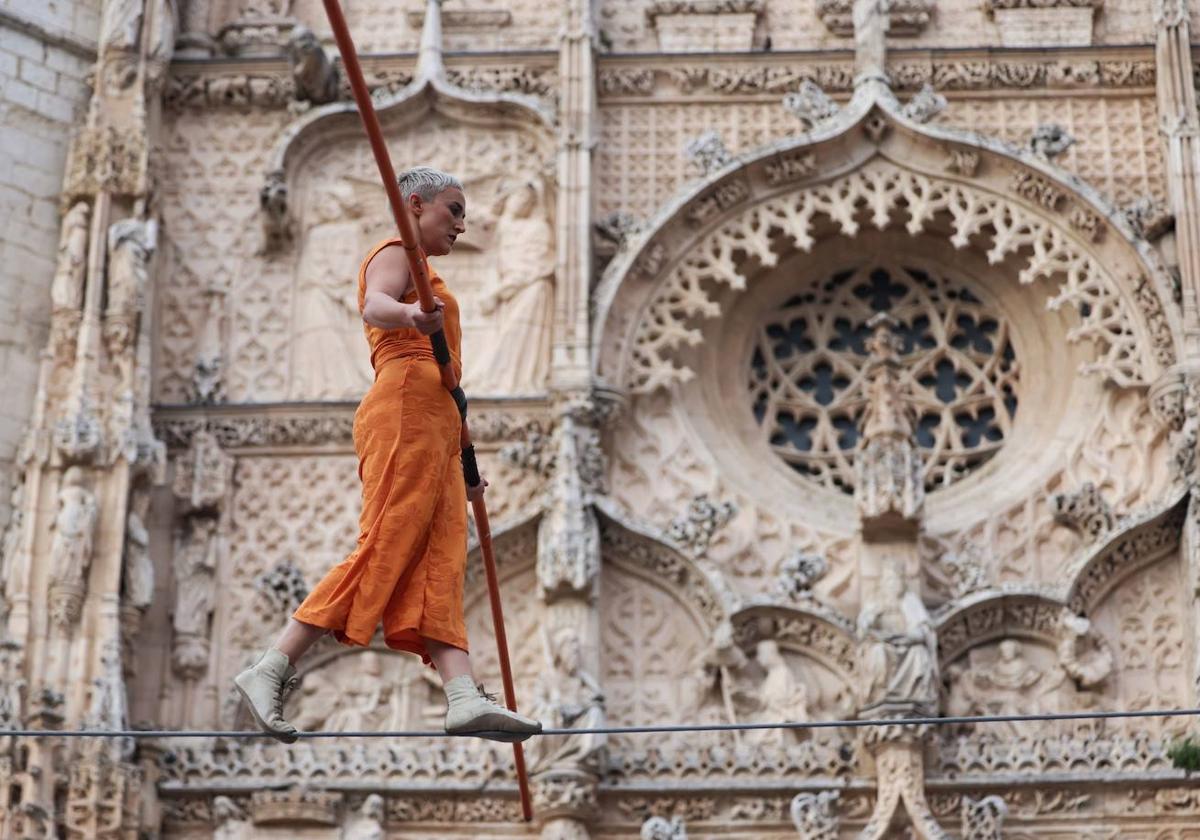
x: 741, y: 77
x: 326, y: 425
x: 215, y: 83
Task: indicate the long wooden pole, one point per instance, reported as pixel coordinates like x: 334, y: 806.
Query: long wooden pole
x: 420, y: 276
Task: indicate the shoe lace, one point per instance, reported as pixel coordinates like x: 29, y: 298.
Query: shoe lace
x: 281, y: 694
x: 488, y: 696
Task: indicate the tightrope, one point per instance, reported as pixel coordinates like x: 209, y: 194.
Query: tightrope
x: 615, y: 730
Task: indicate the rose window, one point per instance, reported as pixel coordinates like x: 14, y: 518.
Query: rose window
x: 959, y: 374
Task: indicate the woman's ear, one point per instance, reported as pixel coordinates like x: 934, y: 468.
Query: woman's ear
x: 415, y: 204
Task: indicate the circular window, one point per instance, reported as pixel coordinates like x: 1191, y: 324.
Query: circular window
x: 959, y: 373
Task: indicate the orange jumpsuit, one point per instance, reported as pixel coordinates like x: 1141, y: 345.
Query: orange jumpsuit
x: 407, y: 569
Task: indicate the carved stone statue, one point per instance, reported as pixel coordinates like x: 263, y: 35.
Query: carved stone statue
x: 329, y: 354
x: 197, y: 556
x: 203, y: 475
x: 131, y: 242
x: 315, y: 75
x: 660, y: 828
x: 780, y: 697
x: 66, y: 292
x: 567, y: 697
x: 898, y: 647
x: 138, y: 571
x: 231, y: 822
x: 520, y: 305
x: 367, y: 824
x: 72, y: 544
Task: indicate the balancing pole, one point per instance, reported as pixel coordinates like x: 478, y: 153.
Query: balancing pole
x: 441, y: 352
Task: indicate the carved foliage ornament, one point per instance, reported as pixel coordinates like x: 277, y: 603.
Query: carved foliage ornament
x: 1003, y: 228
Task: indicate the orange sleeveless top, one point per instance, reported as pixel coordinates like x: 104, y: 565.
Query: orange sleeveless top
x: 407, y: 341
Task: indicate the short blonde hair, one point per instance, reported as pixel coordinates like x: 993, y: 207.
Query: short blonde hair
x: 426, y: 182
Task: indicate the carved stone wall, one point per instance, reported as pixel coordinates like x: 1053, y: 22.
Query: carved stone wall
x: 45, y: 55
x: 851, y: 376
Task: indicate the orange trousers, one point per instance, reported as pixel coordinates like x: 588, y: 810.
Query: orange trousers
x: 408, y: 567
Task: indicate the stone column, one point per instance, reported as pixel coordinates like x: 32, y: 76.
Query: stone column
x: 570, y: 365
x: 1180, y: 128
x: 90, y: 437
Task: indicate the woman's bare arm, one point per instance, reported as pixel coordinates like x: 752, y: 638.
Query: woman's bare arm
x: 387, y: 282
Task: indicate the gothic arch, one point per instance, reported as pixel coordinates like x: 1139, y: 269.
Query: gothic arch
x: 872, y: 166
x: 1133, y: 546
x: 995, y: 614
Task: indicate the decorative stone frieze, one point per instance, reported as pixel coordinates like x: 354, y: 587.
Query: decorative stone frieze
x: 704, y: 25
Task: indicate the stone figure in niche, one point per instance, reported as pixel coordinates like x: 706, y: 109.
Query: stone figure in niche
x: 329, y: 358
x: 197, y: 556
x: 520, y: 303
x: 385, y: 692
x: 137, y: 574
x: 898, y: 647
x: 567, y: 697
x: 66, y: 291
x: 131, y: 242
x: 315, y: 75
x: 1010, y: 679
x: 778, y: 697
x: 367, y: 824
x: 74, y: 531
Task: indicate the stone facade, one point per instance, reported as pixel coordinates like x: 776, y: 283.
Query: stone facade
x: 818, y: 373
x: 46, y: 52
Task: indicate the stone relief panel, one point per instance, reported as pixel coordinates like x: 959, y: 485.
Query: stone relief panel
x: 505, y: 292
x: 292, y: 519
x: 651, y: 647
x: 523, y: 613
x: 1116, y: 145
x: 639, y: 155
x: 384, y: 27
x: 1143, y: 619
x: 210, y: 209
x: 1121, y: 450
x: 366, y: 689
x: 639, y: 165
x: 658, y: 466
x: 1013, y: 676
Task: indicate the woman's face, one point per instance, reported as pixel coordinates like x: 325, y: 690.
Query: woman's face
x: 441, y: 220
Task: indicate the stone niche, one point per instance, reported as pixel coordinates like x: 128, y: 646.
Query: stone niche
x: 686, y: 26
x: 1044, y: 23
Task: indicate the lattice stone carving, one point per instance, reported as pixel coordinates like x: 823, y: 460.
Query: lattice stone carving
x: 958, y: 372
x: 1003, y: 229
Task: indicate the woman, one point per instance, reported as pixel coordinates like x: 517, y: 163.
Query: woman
x: 407, y: 570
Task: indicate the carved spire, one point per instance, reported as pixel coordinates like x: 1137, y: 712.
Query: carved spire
x: 429, y: 59
x: 889, y: 490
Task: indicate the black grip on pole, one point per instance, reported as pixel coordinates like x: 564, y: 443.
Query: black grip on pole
x: 441, y: 350
x: 460, y: 400
x: 470, y: 466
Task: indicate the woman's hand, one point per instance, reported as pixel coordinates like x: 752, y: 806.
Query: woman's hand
x: 427, y: 322
x: 475, y: 493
